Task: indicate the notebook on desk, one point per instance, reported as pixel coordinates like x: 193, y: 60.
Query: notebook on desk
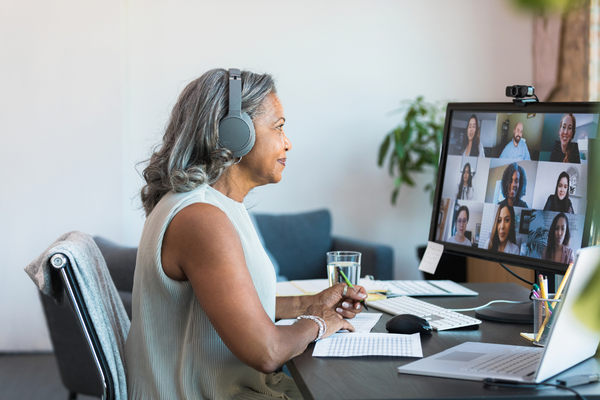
x: 570, y: 343
x: 398, y: 287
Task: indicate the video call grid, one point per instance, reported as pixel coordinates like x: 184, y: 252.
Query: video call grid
x: 482, y: 149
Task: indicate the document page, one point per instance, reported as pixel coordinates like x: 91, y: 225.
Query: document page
x: 362, y: 323
x: 369, y: 344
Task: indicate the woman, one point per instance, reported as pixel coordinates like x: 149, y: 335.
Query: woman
x: 503, y: 231
x: 559, y: 201
x: 204, y: 300
x: 461, y: 220
x: 558, y: 249
x: 473, y: 146
x: 564, y: 150
x: 465, y: 187
x: 513, y: 186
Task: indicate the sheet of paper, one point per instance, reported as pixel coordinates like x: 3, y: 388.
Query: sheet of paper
x: 312, y: 286
x: 369, y: 344
x: 289, y: 289
x: 362, y: 323
x: 431, y: 258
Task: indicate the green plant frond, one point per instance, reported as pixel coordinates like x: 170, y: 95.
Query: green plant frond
x: 393, y: 161
x: 410, y: 115
x: 383, y: 149
x: 405, y: 135
x: 415, y: 142
x: 395, y: 193
x: 408, y: 180
x: 396, y: 133
x: 400, y: 151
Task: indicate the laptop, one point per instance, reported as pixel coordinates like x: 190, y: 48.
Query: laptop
x: 570, y: 343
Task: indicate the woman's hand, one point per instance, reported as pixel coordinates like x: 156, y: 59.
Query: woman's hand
x: 347, y: 305
x: 333, y: 321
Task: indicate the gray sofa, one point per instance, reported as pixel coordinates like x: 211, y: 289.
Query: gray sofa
x: 296, y: 243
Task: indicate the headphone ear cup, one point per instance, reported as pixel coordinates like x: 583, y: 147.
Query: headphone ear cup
x: 237, y: 134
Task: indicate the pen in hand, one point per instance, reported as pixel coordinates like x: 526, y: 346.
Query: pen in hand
x: 364, y: 303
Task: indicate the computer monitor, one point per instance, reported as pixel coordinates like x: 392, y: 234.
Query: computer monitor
x: 513, y: 182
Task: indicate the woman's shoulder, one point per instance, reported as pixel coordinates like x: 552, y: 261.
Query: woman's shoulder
x: 574, y: 153
x: 481, y: 150
x: 568, y: 250
x: 512, y: 248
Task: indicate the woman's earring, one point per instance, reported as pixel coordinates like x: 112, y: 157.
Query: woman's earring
x: 238, y: 161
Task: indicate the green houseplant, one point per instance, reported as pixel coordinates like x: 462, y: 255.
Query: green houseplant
x: 414, y: 145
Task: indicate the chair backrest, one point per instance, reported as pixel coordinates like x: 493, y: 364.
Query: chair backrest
x: 74, y: 265
x: 61, y: 263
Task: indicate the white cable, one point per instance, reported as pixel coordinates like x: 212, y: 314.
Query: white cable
x: 485, y: 305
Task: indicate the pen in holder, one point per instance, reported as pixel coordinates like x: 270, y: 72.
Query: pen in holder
x: 544, y: 313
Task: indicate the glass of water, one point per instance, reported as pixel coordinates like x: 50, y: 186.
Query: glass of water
x: 348, y: 262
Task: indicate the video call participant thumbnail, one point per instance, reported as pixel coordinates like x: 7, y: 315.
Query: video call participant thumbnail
x: 472, y: 145
x: 461, y: 220
x: 564, y: 149
x: 514, y: 182
x: 465, y: 187
x: 503, y: 237
x: 559, y: 237
x: 516, y: 149
x: 559, y: 201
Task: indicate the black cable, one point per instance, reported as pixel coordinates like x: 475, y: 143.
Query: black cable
x: 515, y: 275
x: 532, y: 385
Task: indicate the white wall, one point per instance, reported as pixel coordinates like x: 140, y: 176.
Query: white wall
x: 96, y: 82
x: 60, y: 144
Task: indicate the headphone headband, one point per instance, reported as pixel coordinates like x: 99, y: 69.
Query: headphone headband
x: 235, y: 92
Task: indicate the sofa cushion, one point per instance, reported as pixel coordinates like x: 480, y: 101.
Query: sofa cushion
x: 280, y: 278
x: 299, y: 242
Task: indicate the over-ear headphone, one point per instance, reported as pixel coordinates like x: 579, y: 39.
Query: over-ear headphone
x: 236, y: 130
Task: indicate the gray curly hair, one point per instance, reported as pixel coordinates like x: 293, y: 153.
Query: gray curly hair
x: 189, y: 154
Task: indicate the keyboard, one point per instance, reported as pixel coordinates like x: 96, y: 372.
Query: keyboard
x: 515, y: 362
x: 427, y: 288
x: 439, y: 318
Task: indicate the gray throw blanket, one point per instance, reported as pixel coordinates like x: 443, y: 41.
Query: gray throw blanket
x: 99, y: 293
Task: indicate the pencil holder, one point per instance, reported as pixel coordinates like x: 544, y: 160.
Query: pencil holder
x: 544, y: 312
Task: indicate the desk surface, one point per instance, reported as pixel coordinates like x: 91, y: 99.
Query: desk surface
x: 377, y: 377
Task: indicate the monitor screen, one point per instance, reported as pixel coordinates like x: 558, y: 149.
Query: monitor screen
x: 513, y: 182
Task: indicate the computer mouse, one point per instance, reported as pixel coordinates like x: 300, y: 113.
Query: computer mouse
x: 408, y: 324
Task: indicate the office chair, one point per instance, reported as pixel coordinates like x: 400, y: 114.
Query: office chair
x: 73, y: 265
x: 61, y: 262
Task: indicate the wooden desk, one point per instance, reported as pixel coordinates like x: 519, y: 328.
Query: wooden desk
x: 377, y: 377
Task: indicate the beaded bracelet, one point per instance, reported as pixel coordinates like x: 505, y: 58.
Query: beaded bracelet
x: 319, y: 321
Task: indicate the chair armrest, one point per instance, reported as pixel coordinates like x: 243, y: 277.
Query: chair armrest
x: 376, y: 260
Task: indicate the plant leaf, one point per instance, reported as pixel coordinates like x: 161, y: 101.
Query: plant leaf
x: 383, y: 149
x: 395, y: 195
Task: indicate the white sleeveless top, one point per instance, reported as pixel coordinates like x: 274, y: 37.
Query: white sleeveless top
x: 172, y: 350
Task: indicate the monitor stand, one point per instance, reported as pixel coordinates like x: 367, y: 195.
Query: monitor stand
x: 515, y: 313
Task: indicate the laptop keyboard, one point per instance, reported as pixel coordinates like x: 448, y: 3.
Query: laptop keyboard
x: 439, y: 318
x: 515, y: 362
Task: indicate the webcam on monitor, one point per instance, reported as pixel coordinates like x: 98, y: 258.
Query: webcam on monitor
x: 520, y: 91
